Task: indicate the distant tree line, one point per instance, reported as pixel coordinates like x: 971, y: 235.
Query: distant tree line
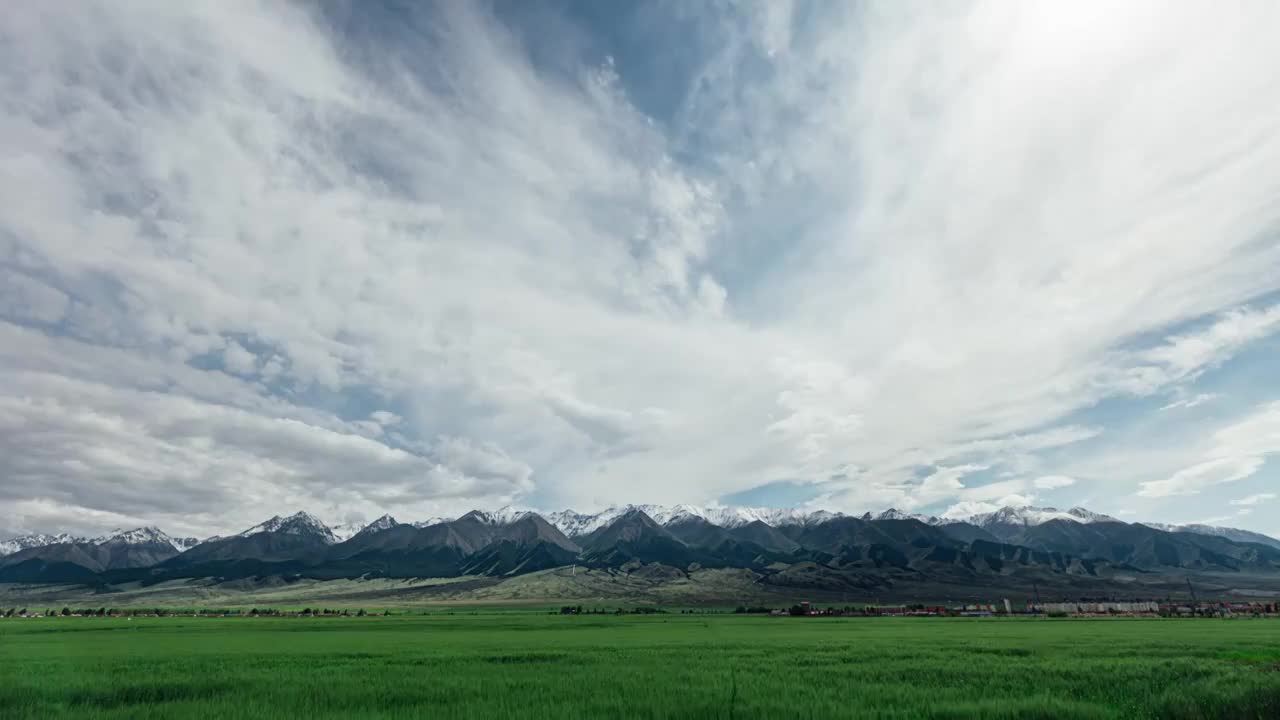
x: 192, y: 612
x: 579, y: 610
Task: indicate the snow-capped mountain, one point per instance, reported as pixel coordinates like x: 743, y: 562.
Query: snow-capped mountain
x: 386, y: 522
x: 501, y: 516
x: 896, y: 514
x: 576, y: 524
x: 428, y: 522
x: 301, y: 523
x: 345, y: 531
x: 142, y: 536
x: 119, y: 536
x: 1028, y: 515
x: 13, y: 545
x: 1232, y: 534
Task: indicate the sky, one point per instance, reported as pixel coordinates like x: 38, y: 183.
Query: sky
x: 356, y: 257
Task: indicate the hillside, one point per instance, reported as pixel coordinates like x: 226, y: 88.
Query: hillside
x: 1071, y: 551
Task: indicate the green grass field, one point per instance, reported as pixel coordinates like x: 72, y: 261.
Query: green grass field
x: 524, y: 664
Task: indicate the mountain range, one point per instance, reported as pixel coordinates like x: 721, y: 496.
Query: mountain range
x: 814, y: 550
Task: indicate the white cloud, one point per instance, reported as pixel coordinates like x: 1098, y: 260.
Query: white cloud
x: 1182, y: 358
x: 1190, y: 402
x: 1236, y: 451
x: 1054, y: 482
x: 238, y: 360
x: 1190, y: 481
x: 857, y: 242
x: 968, y: 508
x: 1253, y: 500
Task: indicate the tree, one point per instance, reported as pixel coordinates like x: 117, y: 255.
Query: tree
x: 9, y: 613
x: 66, y: 612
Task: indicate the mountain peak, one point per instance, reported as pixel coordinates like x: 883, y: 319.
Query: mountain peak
x: 577, y: 524
x: 138, y: 536
x: 428, y: 522
x: 1029, y: 515
x: 896, y: 514
x: 386, y: 522
x: 35, y: 540
x: 299, y: 523
x: 502, y: 516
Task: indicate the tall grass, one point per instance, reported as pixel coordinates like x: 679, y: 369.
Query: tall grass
x: 673, y: 666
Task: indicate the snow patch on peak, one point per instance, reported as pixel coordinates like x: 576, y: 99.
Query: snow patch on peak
x: 138, y: 536
x: 896, y: 514
x: 119, y: 536
x: 501, y: 516
x: 577, y: 524
x: 1028, y: 515
x: 1228, y: 533
x: 34, y: 540
x: 428, y: 522
x: 386, y: 522
x: 1089, y: 516
x: 301, y: 523
x: 345, y: 531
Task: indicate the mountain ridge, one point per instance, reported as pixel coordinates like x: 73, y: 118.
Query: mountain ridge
x: 576, y: 524
x: 1074, y: 551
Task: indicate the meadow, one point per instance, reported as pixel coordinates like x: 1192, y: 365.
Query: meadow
x: 488, y: 664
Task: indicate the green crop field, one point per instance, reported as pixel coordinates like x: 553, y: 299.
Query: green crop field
x: 525, y: 664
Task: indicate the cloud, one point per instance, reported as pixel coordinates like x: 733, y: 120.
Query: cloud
x: 385, y: 418
x: 25, y: 298
x: 1182, y: 358
x: 1190, y: 402
x: 844, y: 248
x: 1252, y: 500
x: 1054, y: 482
x: 1237, y: 451
x: 238, y: 360
x: 148, y: 455
x: 1190, y: 481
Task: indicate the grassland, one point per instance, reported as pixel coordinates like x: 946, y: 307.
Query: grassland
x: 537, y: 665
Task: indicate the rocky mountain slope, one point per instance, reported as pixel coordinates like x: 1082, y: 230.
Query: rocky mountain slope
x: 818, y: 550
